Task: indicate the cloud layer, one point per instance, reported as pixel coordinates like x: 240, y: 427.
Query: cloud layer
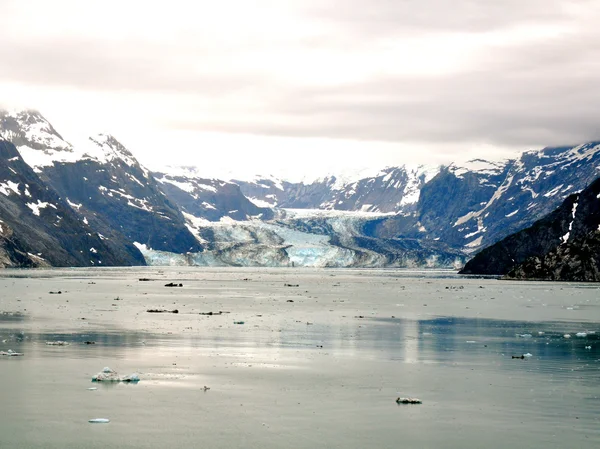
x: 435, y: 73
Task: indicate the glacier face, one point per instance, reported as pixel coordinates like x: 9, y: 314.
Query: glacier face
x: 303, y: 239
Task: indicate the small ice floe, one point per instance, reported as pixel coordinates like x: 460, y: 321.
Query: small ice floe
x: 92, y: 388
x: 408, y: 401
x: 57, y: 343
x: 11, y: 353
x: 99, y: 420
x: 525, y: 335
x: 567, y: 336
x: 588, y: 347
x: 541, y: 333
x: 581, y: 334
x: 528, y: 355
x: 109, y: 375
x: 471, y: 341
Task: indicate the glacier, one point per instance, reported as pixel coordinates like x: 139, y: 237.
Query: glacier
x: 302, y: 238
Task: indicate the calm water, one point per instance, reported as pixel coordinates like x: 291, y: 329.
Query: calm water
x: 321, y: 371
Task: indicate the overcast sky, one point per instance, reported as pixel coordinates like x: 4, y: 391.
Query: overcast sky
x: 299, y: 87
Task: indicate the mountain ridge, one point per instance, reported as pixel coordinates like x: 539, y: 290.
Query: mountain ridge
x: 396, y: 216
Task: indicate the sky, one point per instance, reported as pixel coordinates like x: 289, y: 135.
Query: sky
x: 301, y: 88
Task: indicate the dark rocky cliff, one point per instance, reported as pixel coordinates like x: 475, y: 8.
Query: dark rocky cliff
x: 561, y: 246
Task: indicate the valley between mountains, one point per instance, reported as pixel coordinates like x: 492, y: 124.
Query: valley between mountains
x: 96, y: 205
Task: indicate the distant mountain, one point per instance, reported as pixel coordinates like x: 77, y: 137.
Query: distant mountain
x: 209, y: 199
x: 38, y: 228
x: 394, y: 189
x: 564, y: 245
x: 475, y: 205
x: 467, y: 206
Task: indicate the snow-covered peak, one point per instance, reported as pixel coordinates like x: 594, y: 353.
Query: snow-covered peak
x: 344, y: 177
x: 29, y: 128
x: 479, y: 166
x: 105, y: 148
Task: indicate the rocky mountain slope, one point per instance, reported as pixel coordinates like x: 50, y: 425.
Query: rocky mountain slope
x: 564, y: 245
x: 104, y: 184
x: 477, y: 204
x: 210, y: 199
x: 38, y: 228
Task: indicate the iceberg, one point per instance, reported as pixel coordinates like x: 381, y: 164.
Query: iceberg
x: 109, y: 375
x: 11, y: 353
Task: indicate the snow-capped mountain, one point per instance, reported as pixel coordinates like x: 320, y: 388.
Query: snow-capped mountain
x: 474, y: 208
x: 209, y: 199
x: 38, y: 228
x: 29, y: 130
x: 399, y: 216
x: 110, y: 189
x: 394, y: 189
x: 104, y: 184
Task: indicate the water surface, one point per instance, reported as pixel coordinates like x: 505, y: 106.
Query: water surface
x: 323, y: 370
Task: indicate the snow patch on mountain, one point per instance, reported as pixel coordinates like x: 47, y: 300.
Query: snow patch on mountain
x: 7, y: 187
x: 35, y: 207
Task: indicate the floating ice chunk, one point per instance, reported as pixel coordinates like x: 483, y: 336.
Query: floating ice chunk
x: 109, y: 375
x: 11, y: 353
x: 471, y: 341
x: 57, y: 343
x: 528, y: 355
x: 581, y: 334
x: 567, y: 336
x: 131, y: 378
x: 92, y: 388
x: 525, y: 335
x: 99, y: 420
x: 588, y: 347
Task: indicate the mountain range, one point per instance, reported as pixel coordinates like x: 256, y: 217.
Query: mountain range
x: 406, y: 216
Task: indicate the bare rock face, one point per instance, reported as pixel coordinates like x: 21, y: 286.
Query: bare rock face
x: 577, y: 261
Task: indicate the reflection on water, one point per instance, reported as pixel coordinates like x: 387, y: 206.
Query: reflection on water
x: 335, y: 386
x: 438, y: 340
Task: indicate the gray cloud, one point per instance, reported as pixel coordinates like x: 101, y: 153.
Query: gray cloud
x: 400, y: 16
x: 93, y: 64
x: 539, y: 94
